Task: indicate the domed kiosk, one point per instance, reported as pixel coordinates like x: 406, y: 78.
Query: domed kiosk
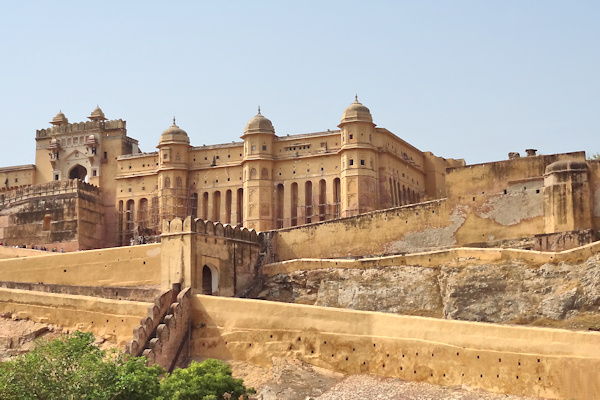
x: 174, y: 134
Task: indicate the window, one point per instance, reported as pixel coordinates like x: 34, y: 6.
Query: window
x: 351, y: 162
x: 351, y: 136
x: 362, y: 162
x: 55, y: 177
x: 105, y: 155
x: 94, y: 172
x: 165, y: 156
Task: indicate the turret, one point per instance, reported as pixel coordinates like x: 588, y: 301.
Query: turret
x: 258, y: 136
x: 359, y: 172
x: 173, y: 148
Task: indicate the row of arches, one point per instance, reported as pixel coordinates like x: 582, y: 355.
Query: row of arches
x: 226, y: 207
x: 135, y: 219
x: 401, y: 195
x: 307, y: 202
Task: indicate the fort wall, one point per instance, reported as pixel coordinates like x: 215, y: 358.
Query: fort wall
x: 113, y: 319
x: 229, y: 254
x: 506, y: 359
x: 122, y: 266
x: 430, y: 225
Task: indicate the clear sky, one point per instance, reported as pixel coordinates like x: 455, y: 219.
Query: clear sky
x: 463, y: 79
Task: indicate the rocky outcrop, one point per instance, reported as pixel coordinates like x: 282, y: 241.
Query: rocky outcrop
x: 511, y: 292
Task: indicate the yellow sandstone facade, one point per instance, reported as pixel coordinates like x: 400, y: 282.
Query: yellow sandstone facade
x: 263, y: 182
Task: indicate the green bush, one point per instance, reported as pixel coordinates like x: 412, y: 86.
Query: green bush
x: 75, y: 368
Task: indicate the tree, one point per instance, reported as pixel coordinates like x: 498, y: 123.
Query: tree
x: 209, y: 380
x: 75, y: 368
x: 595, y: 156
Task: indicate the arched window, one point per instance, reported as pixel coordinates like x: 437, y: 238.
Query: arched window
x: 167, y: 182
x: 178, y: 182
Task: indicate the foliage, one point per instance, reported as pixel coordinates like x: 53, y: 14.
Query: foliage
x: 595, y: 156
x: 75, y: 368
x: 208, y: 380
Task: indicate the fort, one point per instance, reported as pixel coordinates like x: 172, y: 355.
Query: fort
x: 348, y: 249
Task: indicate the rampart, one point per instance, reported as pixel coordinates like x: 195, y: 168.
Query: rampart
x: 113, y: 319
x: 462, y: 257
x: 62, y: 214
x: 47, y: 189
x: 121, y: 266
x: 211, y: 258
x: 80, y: 126
x: 420, y: 227
x: 505, y: 359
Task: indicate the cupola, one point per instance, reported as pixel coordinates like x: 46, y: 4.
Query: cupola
x: 259, y: 124
x: 174, y: 134
x: 59, y: 120
x: 356, y: 112
x: 97, y: 115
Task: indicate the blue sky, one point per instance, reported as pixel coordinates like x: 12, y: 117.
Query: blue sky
x: 463, y: 79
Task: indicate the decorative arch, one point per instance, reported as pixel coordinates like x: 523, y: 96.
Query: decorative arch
x: 78, y: 172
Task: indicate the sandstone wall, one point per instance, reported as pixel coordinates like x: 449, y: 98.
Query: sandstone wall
x: 420, y: 227
x: 121, y: 266
x: 525, y: 361
x: 114, y: 319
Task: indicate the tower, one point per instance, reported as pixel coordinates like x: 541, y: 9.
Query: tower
x: 173, y: 147
x: 358, y: 180
x: 257, y: 167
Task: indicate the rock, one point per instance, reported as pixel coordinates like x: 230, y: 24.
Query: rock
x: 506, y: 292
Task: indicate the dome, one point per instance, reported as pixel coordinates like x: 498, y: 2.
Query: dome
x: 357, y: 112
x: 567, y: 166
x: 60, y: 119
x: 174, y: 134
x: 97, y: 114
x: 259, y: 124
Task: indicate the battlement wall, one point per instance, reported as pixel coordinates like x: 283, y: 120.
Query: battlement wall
x: 30, y: 193
x: 505, y: 359
x: 194, y: 249
x: 121, y: 266
x: 79, y: 127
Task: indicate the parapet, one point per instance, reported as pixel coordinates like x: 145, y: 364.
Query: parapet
x: 567, y: 166
x: 209, y: 228
x: 80, y: 126
x: 48, y: 189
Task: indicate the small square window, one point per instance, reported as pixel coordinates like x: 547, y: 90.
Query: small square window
x: 362, y: 162
x: 165, y: 156
x: 264, y: 148
x: 351, y: 136
x: 351, y: 162
x: 94, y: 172
x: 56, y: 177
x: 16, y: 180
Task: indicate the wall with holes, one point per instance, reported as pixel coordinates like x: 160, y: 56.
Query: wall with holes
x: 504, y: 359
x: 121, y: 266
x: 113, y: 319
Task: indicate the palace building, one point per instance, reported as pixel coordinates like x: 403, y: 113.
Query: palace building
x: 263, y: 182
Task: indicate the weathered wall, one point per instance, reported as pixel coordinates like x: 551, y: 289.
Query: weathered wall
x: 519, y: 360
x: 114, y: 319
x: 122, y: 266
x: 492, y: 178
x: 420, y: 227
x: 230, y: 253
x: 63, y: 214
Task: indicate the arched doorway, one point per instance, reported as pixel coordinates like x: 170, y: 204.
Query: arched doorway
x: 78, y: 172
x: 210, y: 280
